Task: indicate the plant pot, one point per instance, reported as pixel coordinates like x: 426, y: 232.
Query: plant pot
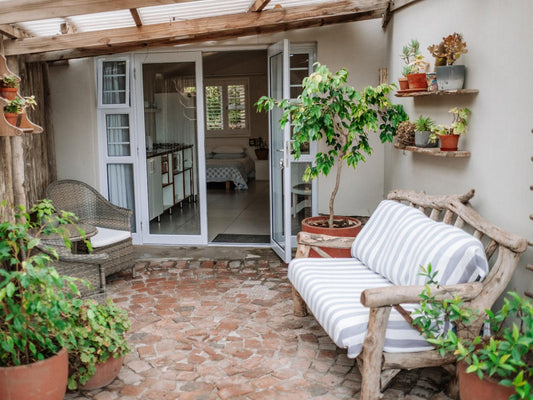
x: 431, y: 79
x: 450, y: 77
x: 473, y: 388
x: 11, y: 118
x: 350, y: 231
x: 262, y: 154
x: 417, y: 81
x: 8, y: 93
x: 105, y: 373
x: 404, y: 84
x: 422, y: 139
x: 41, y: 380
x: 448, y: 142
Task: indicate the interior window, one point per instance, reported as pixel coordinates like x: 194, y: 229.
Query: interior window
x: 227, y: 107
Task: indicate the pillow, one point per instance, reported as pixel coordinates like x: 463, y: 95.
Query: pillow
x: 225, y: 156
x: 228, y: 149
x: 398, y: 239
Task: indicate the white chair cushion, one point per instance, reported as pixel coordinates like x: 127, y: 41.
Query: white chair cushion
x: 398, y: 239
x: 105, y: 237
x: 331, y: 288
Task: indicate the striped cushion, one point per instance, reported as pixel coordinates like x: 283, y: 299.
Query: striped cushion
x: 331, y: 288
x: 398, y: 239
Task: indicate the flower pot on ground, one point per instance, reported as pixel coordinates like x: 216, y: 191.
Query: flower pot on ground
x: 341, y: 118
x: 472, y: 387
x: 423, y: 132
x: 9, y: 86
x: 104, y: 373
x: 446, y: 53
x: 449, y: 134
x: 319, y: 225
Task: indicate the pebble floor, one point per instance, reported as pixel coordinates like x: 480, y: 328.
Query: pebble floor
x: 207, y: 329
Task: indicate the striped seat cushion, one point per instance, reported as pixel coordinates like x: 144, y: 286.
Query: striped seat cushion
x: 331, y: 288
x: 398, y: 239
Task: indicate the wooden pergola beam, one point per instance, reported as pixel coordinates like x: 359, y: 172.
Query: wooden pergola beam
x: 258, y: 5
x: 14, y: 11
x: 12, y: 32
x: 201, y: 29
x: 136, y: 17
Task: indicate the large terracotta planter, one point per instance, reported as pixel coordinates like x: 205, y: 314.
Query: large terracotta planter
x: 42, y: 380
x: 449, y: 142
x: 350, y: 231
x: 473, y: 388
x: 105, y: 373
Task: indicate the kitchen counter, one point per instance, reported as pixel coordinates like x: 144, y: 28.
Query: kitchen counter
x: 160, y: 152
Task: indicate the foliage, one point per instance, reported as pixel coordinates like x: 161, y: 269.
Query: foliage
x: 414, y: 61
x: 457, y: 127
x: 19, y: 104
x: 34, y: 298
x: 449, y: 49
x: 97, y: 334
x: 331, y: 111
x: 506, y: 355
x: 424, y: 123
x: 9, y: 81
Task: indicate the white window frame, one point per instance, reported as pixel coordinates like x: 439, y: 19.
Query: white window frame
x: 100, y: 79
x: 226, y: 131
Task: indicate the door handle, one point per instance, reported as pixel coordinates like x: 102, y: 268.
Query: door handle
x: 281, y: 163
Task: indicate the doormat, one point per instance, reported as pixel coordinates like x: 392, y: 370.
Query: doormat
x: 241, y: 238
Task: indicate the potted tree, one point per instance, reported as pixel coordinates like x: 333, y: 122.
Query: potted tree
x: 8, y: 86
x: 497, y: 366
x: 446, y: 53
x: 449, y: 134
x: 334, y: 113
x: 16, y: 107
x: 423, y: 132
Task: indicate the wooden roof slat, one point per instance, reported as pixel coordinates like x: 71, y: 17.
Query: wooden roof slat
x: 201, y: 29
x: 136, y: 17
x: 15, y: 11
x: 12, y: 32
x: 258, y: 5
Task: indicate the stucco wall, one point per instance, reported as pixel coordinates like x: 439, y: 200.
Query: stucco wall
x: 499, y: 39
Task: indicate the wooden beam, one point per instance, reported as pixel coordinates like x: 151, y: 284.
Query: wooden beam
x: 258, y: 5
x: 201, y: 29
x: 14, y: 11
x: 136, y: 17
x: 68, y: 27
x: 397, y: 4
x: 12, y: 32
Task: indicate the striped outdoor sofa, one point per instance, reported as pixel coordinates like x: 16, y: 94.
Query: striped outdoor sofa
x: 363, y: 303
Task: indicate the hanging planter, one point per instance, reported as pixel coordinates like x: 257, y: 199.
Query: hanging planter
x: 9, y: 86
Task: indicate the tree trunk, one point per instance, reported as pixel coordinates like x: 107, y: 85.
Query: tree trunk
x: 333, y: 194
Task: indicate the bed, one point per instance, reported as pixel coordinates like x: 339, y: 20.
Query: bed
x: 230, y: 167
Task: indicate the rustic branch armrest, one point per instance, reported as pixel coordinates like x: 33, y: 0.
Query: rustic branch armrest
x: 313, y: 239
x: 393, y: 295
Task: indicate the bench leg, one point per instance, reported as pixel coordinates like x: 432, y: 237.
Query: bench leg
x: 300, y: 308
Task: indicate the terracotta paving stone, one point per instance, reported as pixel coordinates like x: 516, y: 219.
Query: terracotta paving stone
x: 207, y: 329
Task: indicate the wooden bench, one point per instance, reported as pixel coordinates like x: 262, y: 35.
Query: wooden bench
x: 378, y: 367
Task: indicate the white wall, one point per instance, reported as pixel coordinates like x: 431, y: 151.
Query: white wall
x: 74, y: 119
x: 499, y: 39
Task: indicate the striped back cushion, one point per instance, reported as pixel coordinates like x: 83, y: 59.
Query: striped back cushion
x: 398, y: 239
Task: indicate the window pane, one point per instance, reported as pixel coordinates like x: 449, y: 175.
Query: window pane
x: 236, y: 107
x: 114, y: 82
x: 118, y: 135
x: 120, y: 186
x: 213, y: 98
x: 299, y: 70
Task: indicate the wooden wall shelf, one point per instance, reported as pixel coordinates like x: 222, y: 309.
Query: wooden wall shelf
x: 437, y: 93
x: 435, y: 151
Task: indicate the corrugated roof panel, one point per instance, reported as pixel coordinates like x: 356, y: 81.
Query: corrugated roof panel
x: 45, y: 27
x: 105, y: 20
x: 294, y: 3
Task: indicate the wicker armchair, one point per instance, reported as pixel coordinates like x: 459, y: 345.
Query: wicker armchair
x: 92, y: 208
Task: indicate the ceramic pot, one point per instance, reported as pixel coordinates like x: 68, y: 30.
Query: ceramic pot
x: 448, y: 142
x: 422, y: 139
x: 473, y: 388
x: 350, y: 231
x: 417, y: 81
x: 11, y: 118
x: 8, y: 93
x: 450, y: 77
x: 404, y: 83
x: 106, y: 373
x: 431, y: 78
x: 41, y: 380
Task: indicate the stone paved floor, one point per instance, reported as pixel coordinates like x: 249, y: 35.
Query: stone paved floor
x: 223, y: 329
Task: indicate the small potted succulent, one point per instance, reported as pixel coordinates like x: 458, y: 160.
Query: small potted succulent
x: 449, y: 134
x: 8, y: 86
x: 446, y: 53
x: 423, y: 132
x: 16, y: 107
x: 415, y: 67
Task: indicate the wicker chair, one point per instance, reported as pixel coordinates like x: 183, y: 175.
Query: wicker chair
x: 92, y: 208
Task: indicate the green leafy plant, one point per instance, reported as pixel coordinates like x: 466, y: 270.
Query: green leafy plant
x: 342, y: 117
x: 448, y: 50
x: 414, y: 61
x: 424, y: 123
x: 506, y: 355
x: 457, y: 127
x: 9, y: 81
x: 98, y: 333
x: 19, y: 104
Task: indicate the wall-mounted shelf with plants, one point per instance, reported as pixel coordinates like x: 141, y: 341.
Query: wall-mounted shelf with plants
x: 437, y: 93
x: 435, y: 152
x: 14, y: 103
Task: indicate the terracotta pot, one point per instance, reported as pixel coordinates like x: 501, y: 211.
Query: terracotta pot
x: 8, y: 93
x: 42, y: 380
x: 448, y: 142
x: 473, y: 388
x: 11, y: 118
x: 350, y: 231
x: 404, y: 84
x: 417, y: 81
x: 105, y: 373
